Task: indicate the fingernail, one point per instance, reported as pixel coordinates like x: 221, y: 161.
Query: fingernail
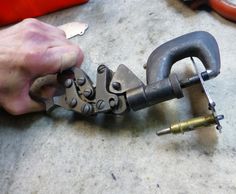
x: 68, y: 60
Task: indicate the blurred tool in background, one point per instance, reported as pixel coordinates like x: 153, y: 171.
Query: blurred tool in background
x: 225, y: 8
x: 16, y: 10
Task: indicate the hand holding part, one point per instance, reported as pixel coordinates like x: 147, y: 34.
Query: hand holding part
x: 31, y: 49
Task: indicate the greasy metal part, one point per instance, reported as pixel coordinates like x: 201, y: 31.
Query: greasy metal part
x: 103, y: 96
x: 189, y: 81
x: 72, y: 101
x: 154, y: 93
x: 84, y: 84
x: 198, y: 44
x: 120, y: 91
x: 224, y: 7
x: 124, y: 80
x: 188, y: 125
x: 136, y: 98
x: 122, y: 106
x: 39, y: 83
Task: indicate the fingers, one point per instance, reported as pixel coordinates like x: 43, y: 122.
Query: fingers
x: 33, y: 24
x: 22, y: 106
x: 57, y: 59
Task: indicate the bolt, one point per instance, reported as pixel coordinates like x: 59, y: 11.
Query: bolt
x: 100, y: 104
x: 73, y: 103
x: 86, y: 108
x: 220, y: 117
x: 68, y: 83
x: 81, y: 81
x: 112, y: 102
x: 101, y: 68
x: 116, y: 85
x: 88, y: 92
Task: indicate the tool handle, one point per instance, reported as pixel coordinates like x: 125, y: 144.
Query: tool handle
x: 198, y: 44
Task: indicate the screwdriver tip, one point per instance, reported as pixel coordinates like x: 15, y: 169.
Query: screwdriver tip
x: 164, y: 132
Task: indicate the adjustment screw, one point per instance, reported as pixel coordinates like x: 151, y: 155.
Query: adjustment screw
x: 112, y: 102
x: 68, y: 83
x: 81, y: 81
x: 116, y: 85
x: 86, y: 108
x: 88, y: 92
x: 73, y: 103
x: 101, y: 68
x: 100, y: 104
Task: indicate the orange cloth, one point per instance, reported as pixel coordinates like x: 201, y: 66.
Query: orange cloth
x: 15, y: 10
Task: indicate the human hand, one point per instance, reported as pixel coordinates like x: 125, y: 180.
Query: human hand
x: 28, y: 50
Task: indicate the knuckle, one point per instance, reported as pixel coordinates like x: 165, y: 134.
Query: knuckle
x: 31, y: 22
x: 35, y: 35
x: 62, y: 32
x: 30, y: 32
x: 30, y: 57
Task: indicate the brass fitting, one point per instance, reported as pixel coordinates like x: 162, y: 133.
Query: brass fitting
x: 190, y: 124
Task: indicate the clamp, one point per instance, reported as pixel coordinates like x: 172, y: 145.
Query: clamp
x: 118, y: 92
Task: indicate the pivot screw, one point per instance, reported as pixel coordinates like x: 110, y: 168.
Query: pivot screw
x: 73, y: 103
x: 116, y: 85
x: 86, y: 109
x: 81, y: 81
x: 88, y: 92
x: 68, y: 83
x: 101, y: 68
x: 112, y: 102
x: 100, y: 104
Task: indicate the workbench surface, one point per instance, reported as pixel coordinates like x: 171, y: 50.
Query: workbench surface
x: 66, y: 153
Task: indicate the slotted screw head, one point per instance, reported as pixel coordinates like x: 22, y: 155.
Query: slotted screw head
x: 101, y: 68
x: 100, y: 104
x: 86, y: 108
x: 73, y: 103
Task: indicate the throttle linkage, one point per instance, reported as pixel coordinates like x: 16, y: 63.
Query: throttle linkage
x: 118, y: 92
